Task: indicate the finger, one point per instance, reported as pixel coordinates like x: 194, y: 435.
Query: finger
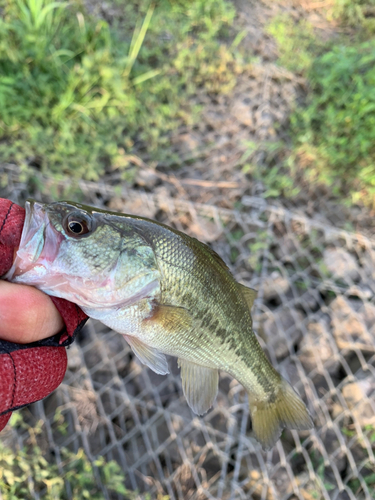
x: 26, y: 314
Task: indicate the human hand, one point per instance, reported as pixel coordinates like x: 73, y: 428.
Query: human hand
x: 27, y: 314
x: 31, y: 365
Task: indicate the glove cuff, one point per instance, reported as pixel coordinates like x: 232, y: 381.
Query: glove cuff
x: 29, y: 375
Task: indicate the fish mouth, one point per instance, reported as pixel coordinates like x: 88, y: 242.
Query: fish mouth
x: 39, y: 242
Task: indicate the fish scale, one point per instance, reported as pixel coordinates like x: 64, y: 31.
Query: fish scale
x: 167, y: 293
x: 222, y: 294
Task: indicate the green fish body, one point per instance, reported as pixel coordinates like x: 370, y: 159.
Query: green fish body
x: 167, y: 293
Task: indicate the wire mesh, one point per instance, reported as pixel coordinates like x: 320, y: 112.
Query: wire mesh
x: 315, y: 317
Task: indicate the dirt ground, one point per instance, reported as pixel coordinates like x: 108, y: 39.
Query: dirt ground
x: 315, y: 314
x: 256, y: 111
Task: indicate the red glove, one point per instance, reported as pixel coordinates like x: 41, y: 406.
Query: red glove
x: 29, y: 372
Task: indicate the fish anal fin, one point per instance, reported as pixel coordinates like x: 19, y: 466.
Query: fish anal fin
x: 286, y: 411
x: 149, y: 356
x: 171, y: 318
x: 200, y: 385
x: 249, y: 294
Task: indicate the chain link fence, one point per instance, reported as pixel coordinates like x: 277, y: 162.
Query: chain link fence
x: 315, y: 318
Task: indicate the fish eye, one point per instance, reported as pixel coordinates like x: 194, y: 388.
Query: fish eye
x: 76, y: 227
x: 77, y: 224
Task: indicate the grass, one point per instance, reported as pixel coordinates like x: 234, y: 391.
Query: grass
x: 295, y: 41
x: 354, y: 14
x: 333, y: 132
x: 78, y: 94
x: 272, y: 172
x: 26, y: 472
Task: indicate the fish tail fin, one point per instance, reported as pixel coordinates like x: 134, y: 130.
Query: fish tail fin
x: 285, y: 410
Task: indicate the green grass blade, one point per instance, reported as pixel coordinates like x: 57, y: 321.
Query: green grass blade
x: 138, y: 41
x: 42, y: 15
x: 146, y: 76
x: 25, y: 14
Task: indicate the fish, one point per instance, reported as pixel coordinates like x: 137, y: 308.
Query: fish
x: 168, y: 294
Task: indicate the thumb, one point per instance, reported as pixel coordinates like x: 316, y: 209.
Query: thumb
x: 26, y: 314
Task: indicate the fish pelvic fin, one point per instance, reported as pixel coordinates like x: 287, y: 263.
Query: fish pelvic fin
x: 149, y: 356
x: 286, y: 411
x: 199, y: 384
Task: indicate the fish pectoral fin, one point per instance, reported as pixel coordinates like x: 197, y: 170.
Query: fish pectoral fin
x: 249, y: 294
x: 149, y: 356
x: 200, y: 385
x: 171, y: 318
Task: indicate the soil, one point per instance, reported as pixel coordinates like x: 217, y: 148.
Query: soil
x: 255, y: 112
x: 314, y: 315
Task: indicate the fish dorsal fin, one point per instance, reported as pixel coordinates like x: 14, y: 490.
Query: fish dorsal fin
x: 217, y: 258
x: 171, y: 318
x: 200, y: 385
x: 149, y: 356
x: 249, y: 294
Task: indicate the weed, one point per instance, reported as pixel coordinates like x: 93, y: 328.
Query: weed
x: 368, y: 469
x: 234, y: 254
x: 357, y: 14
x: 370, y: 431
x: 368, y: 475
x: 301, y: 285
x: 257, y: 249
x: 349, y: 433
x: 323, y: 481
x: 27, y: 471
x: 335, y: 132
x: 294, y: 42
x: 235, y: 235
x: 272, y: 171
x: 77, y: 94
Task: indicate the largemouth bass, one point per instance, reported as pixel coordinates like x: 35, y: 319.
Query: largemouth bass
x: 167, y: 293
